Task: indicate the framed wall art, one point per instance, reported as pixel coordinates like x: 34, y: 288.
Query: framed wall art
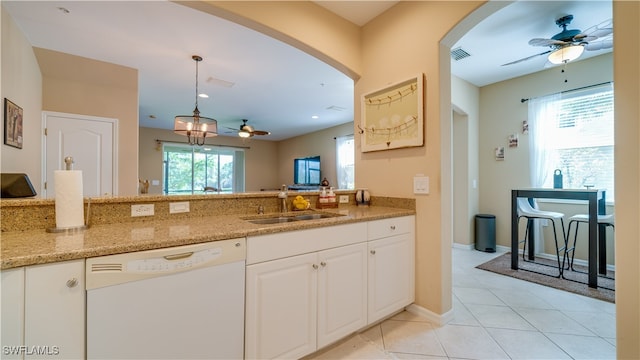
x: 392, y: 117
x: 12, y: 124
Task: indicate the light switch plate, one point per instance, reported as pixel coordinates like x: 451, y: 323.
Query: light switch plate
x: 344, y: 199
x: 420, y: 184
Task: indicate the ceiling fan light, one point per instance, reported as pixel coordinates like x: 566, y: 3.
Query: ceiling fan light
x: 244, y: 134
x: 566, y: 54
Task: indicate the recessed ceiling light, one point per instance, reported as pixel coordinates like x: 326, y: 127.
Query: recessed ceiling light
x: 315, y: 117
x: 204, y: 96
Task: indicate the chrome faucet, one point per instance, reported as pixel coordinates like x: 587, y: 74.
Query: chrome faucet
x: 282, y: 197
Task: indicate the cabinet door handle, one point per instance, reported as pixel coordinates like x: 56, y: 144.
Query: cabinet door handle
x: 315, y: 266
x: 72, y: 283
x: 373, y: 252
x: 323, y: 263
x: 238, y: 244
x: 178, y: 256
x: 393, y: 227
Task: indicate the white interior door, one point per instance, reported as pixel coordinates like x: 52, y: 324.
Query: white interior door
x: 90, y: 141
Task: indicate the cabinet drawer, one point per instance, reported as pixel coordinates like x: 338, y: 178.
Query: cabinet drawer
x: 279, y: 245
x: 378, y: 229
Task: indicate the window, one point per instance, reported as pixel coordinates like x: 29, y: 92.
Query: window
x: 345, y: 162
x: 580, y: 139
x: 192, y: 170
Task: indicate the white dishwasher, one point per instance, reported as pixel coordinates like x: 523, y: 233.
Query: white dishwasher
x: 182, y: 302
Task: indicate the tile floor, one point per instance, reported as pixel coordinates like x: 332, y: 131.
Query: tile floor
x: 495, y: 317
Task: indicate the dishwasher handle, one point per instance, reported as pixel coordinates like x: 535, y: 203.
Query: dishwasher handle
x: 178, y: 256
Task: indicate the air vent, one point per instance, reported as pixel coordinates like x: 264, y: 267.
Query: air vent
x: 106, y: 267
x: 459, y: 54
x: 336, y: 108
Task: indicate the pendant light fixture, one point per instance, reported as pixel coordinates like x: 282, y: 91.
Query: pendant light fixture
x: 195, y: 127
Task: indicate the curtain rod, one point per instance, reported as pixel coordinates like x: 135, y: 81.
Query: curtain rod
x: 179, y: 142
x: 566, y: 91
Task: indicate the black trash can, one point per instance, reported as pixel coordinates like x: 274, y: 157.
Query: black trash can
x: 486, y: 232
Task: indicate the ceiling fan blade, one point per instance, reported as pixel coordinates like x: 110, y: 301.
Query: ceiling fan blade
x: 527, y: 58
x: 545, y: 42
x: 260, y: 132
x: 603, y: 29
x: 599, y: 45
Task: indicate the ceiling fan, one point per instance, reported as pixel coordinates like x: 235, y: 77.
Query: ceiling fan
x: 247, y: 130
x: 568, y: 45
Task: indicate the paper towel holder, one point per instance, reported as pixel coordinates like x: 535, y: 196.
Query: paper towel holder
x: 75, y: 229
x: 68, y: 161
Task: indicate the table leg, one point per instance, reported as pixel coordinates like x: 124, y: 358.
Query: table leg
x: 593, y: 240
x: 514, y: 230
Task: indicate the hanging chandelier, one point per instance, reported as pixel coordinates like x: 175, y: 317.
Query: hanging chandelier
x: 195, y: 127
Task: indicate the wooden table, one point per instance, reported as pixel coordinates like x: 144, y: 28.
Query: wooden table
x: 596, y: 199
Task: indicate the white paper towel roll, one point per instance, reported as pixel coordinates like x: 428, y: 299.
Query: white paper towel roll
x: 68, y: 200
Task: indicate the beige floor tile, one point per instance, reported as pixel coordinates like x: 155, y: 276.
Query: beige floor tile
x: 553, y: 321
x: 498, y: 317
x: 519, y: 344
x: 411, y: 337
x: 469, y: 342
x: 585, y: 347
x: 356, y: 347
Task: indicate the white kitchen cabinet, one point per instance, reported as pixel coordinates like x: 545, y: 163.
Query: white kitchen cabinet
x: 281, y: 308
x: 296, y: 304
x: 12, y: 313
x: 342, y: 292
x: 391, y: 262
x: 54, y: 310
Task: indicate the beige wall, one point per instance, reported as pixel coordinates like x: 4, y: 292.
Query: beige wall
x: 402, y: 42
x: 465, y: 121
x: 501, y: 114
x: 22, y: 84
x: 77, y: 85
x: 261, y: 158
x: 626, y: 73
x: 317, y: 143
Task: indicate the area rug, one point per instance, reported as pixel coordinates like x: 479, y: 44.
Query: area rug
x: 544, y: 271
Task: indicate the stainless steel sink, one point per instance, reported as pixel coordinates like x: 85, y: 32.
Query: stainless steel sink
x: 273, y: 220
x: 315, y: 216
x: 286, y: 219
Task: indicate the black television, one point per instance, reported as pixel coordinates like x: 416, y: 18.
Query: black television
x: 306, y: 171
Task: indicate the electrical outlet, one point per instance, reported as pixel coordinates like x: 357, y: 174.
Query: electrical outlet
x: 344, y: 199
x: 142, y: 210
x: 178, y: 207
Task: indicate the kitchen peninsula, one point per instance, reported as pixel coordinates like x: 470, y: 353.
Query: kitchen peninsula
x: 346, y: 253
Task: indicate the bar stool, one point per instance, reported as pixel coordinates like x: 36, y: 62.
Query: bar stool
x: 527, y: 211
x: 606, y: 220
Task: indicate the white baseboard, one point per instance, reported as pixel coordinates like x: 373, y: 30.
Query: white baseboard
x: 463, y: 246
x: 437, y: 319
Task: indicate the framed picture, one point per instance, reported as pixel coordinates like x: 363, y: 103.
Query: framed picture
x: 12, y: 124
x: 392, y: 117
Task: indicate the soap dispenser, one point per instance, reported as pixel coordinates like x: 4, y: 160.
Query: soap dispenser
x: 331, y: 196
x: 324, y: 198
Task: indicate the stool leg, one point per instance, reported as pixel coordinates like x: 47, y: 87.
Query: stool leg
x: 555, y: 237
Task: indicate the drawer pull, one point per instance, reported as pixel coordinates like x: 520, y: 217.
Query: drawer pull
x: 373, y: 252
x: 72, y: 283
x: 393, y: 227
x: 323, y: 263
x: 315, y: 266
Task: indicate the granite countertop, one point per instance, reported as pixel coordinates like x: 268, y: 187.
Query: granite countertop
x: 22, y: 248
